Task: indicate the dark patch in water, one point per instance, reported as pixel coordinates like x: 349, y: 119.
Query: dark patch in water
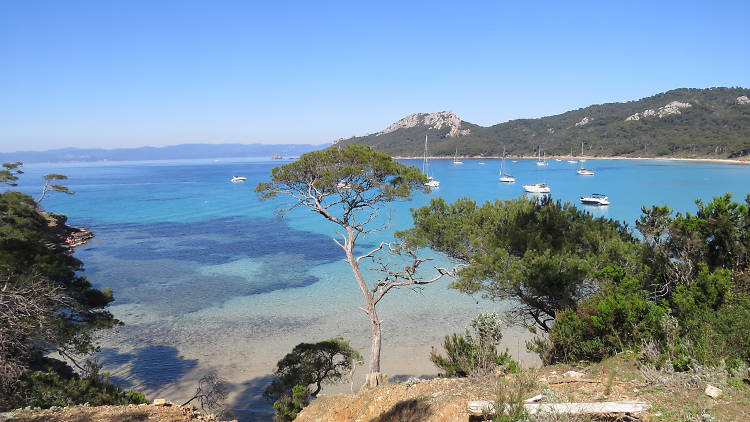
x: 154, y: 367
x: 218, y: 241
x: 157, y: 264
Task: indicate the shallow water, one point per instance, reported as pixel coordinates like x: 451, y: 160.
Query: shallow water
x: 207, y: 277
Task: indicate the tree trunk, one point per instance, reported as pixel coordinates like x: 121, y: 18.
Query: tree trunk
x: 374, y: 338
x: 375, y: 335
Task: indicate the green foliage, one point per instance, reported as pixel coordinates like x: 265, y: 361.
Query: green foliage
x: 475, y: 353
x: 9, y: 173
x: 541, y: 254
x: 311, y: 365
x: 49, y: 185
x: 714, y: 126
x: 704, y: 295
x: 360, y: 175
x: 619, y: 318
x: 38, y: 273
x: 287, y: 408
x: 51, y: 388
x: 28, y: 247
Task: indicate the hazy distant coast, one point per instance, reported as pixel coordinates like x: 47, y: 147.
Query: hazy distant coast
x: 173, y: 152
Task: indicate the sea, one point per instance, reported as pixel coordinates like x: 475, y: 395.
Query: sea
x: 208, y: 278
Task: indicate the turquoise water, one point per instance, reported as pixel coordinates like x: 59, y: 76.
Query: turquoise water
x: 206, y: 277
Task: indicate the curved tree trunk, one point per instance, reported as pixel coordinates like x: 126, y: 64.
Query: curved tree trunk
x: 375, y: 332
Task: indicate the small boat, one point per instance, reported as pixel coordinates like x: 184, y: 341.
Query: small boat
x: 582, y: 171
x: 539, y: 160
x: 595, y: 199
x: 537, y: 188
x: 276, y: 157
x: 505, y: 177
x: 236, y: 179
x: 583, y: 160
x: 558, y: 160
x: 431, y: 182
x: 571, y: 160
x: 455, y: 158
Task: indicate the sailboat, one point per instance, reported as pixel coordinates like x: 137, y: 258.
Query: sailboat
x: 455, y: 158
x: 426, y: 168
x: 539, y: 160
x: 582, y: 171
x: 572, y: 161
x: 505, y: 177
x: 583, y: 160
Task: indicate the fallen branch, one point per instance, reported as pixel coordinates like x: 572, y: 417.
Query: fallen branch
x: 484, y: 407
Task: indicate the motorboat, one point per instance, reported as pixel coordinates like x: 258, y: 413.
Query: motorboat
x: 236, y: 179
x: 595, y: 199
x: 431, y: 182
x: 584, y: 172
x: 537, y: 188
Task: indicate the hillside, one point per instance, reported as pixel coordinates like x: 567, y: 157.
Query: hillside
x: 686, y: 122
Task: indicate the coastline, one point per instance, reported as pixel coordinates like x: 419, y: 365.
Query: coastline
x: 586, y: 157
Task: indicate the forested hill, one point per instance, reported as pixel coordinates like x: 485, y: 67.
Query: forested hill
x: 686, y: 122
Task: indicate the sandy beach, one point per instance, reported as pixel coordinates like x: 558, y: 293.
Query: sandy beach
x: 586, y: 157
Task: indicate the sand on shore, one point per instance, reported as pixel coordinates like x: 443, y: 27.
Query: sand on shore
x: 585, y: 157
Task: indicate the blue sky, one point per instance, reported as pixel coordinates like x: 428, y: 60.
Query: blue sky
x: 130, y: 73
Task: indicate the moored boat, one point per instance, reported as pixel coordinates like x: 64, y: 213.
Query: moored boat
x: 537, y: 188
x: 595, y: 199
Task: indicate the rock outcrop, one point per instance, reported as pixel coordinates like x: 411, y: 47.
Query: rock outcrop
x: 743, y: 100
x: 672, y: 108
x: 584, y: 121
x: 436, y: 121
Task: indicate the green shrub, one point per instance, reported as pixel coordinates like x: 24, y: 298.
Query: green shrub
x: 45, y: 389
x: 620, y: 318
x: 474, y: 354
x: 287, y: 408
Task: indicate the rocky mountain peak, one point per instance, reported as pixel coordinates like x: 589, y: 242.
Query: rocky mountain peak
x: 436, y: 121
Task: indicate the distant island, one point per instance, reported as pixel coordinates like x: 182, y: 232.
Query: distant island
x: 174, y: 152
x: 683, y: 123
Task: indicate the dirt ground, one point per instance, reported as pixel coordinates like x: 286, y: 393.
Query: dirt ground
x: 672, y: 397
x: 680, y: 398
x: 130, y: 413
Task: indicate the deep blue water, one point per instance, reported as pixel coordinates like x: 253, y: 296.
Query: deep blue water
x: 205, y: 276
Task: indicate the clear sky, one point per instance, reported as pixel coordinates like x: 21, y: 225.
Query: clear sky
x: 131, y: 73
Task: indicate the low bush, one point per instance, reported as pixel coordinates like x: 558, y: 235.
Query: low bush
x: 45, y: 389
x: 475, y: 353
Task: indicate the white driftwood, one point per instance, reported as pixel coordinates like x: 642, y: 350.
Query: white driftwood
x: 484, y: 407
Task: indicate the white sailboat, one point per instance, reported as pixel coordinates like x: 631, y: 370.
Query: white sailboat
x: 431, y: 182
x: 539, y: 160
x: 582, y: 171
x: 583, y: 160
x: 505, y: 177
x: 455, y: 158
x: 572, y: 161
